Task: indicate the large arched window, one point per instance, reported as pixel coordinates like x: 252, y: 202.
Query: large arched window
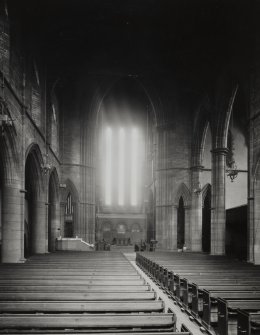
x: 122, y: 166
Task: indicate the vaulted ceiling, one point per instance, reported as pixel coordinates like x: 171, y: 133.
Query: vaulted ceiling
x: 188, y: 41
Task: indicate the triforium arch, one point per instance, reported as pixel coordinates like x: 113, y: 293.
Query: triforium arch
x: 35, y: 225
x: 11, y: 211
x: 53, y: 209
x: 69, y: 226
x: 181, y: 215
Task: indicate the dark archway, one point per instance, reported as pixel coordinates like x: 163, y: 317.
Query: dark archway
x: 34, y: 225
x: 206, y: 220
x: 181, y: 224
x: 150, y: 215
x: 30, y: 199
x: 53, y: 210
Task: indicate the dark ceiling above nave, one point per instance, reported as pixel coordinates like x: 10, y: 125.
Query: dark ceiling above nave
x: 188, y: 40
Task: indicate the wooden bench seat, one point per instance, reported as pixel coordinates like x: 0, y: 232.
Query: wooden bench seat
x: 193, y: 292
x: 227, y: 313
x: 68, y: 277
x: 72, y: 288
x: 60, y: 296
x: 79, y: 306
x: 180, y: 283
x: 61, y: 282
x: 133, y: 322
x: 210, y: 306
x: 62, y: 272
x: 248, y: 323
x: 197, y: 292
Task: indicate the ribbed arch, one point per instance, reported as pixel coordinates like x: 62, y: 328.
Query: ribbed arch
x: 185, y: 193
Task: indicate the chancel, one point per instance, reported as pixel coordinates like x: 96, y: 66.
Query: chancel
x: 129, y: 167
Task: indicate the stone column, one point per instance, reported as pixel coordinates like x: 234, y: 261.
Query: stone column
x: 12, y: 230
x: 255, y: 230
x: 196, y: 210
x: 39, y: 227
x: 218, y: 217
x: 253, y: 191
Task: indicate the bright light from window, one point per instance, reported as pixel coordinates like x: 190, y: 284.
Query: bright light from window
x: 108, y: 166
x: 121, y: 166
x: 134, y: 148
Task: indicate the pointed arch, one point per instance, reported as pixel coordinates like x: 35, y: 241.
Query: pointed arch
x: 185, y: 193
x: 35, y: 226
x: 206, y: 188
x: 70, y: 188
x: 33, y: 167
x: 69, y: 222
x: 201, y: 125
x: 226, y: 90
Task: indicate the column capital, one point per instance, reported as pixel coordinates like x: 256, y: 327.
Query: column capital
x: 220, y: 151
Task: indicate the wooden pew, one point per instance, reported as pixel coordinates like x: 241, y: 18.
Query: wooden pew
x: 227, y: 313
x: 61, y: 282
x: 132, y: 322
x: 28, y: 275
x: 210, y: 306
x: 192, y: 293
x: 81, y: 306
x: 72, y: 288
x: 60, y: 296
x: 248, y: 323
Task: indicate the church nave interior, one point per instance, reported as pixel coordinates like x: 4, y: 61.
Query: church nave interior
x: 129, y: 167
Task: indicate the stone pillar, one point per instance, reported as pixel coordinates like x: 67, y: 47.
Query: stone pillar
x: 196, y: 210
x: 253, y: 191
x: 39, y: 227
x: 12, y: 230
x: 255, y: 230
x: 218, y: 217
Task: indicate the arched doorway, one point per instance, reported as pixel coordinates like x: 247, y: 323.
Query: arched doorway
x: 53, y: 210
x: 206, y: 220
x: 180, y: 224
x: 35, y: 205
